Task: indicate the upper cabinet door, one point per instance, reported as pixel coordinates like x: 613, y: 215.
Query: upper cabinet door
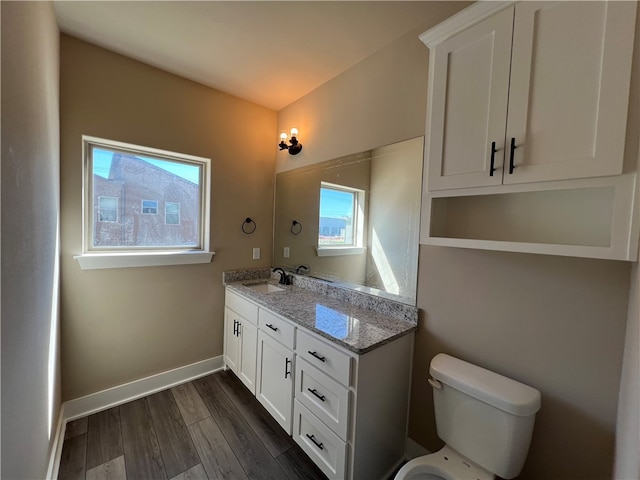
x: 570, y: 76
x: 468, y: 104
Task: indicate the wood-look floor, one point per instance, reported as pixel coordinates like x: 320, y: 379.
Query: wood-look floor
x: 209, y: 428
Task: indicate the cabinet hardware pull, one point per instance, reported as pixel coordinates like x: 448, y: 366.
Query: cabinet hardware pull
x: 287, y: 372
x: 315, y: 392
x: 235, y: 328
x: 275, y: 329
x: 512, y: 155
x: 315, y: 442
x: 238, y: 331
x: 319, y: 357
x: 493, y: 159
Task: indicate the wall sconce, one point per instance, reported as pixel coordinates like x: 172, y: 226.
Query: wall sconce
x: 295, y: 146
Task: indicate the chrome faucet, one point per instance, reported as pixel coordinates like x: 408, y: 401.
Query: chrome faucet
x: 284, y: 278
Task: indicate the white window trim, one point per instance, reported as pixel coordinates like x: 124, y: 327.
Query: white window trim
x: 337, y: 251
x: 122, y: 258
x: 142, y: 212
x: 166, y: 204
x: 100, y: 209
x: 356, y: 248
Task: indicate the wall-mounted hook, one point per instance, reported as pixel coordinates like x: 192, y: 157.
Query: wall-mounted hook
x: 249, y: 226
x: 296, y: 227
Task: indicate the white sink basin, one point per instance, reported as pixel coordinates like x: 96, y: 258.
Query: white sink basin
x: 263, y: 287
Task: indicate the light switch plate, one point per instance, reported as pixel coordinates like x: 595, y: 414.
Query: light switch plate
x: 256, y: 253
x: 285, y: 252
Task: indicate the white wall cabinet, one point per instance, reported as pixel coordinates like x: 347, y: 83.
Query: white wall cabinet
x: 537, y: 91
x: 348, y: 412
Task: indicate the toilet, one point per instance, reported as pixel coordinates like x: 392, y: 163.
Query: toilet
x: 485, y: 419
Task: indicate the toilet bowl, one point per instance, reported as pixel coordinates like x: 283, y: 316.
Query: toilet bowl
x: 445, y: 464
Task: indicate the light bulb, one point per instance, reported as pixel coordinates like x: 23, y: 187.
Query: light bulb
x: 294, y: 132
x: 283, y: 136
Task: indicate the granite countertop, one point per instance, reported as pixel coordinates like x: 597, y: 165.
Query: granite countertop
x: 353, y: 327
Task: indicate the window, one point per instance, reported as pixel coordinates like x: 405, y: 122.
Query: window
x: 341, y: 228
x: 172, y: 213
x: 121, y: 219
x: 107, y: 209
x: 149, y: 207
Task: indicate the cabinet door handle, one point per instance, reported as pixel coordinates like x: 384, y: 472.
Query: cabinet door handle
x: 287, y: 372
x: 238, y: 330
x: 275, y: 329
x: 315, y: 442
x: 512, y: 155
x: 493, y: 159
x: 235, y: 328
x: 315, y: 392
x: 319, y: 357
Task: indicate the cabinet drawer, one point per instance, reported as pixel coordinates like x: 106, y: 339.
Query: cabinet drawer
x: 276, y: 327
x: 324, y: 357
x: 322, y: 445
x: 324, y: 397
x: 244, y: 308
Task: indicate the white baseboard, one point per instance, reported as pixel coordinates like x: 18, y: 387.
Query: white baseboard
x: 414, y: 449
x: 111, y: 397
x: 56, y: 452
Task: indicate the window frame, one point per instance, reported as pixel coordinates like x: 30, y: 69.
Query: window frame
x: 166, y: 204
x: 116, y: 256
x: 100, y: 209
x: 142, y: 207
x: 357, y: 247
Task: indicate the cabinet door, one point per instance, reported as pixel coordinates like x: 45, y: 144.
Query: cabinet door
x: 274, y: 387
x: 248, y: 348
x: 231, y: 340
x: 468, y: 104
x: 569, y: 90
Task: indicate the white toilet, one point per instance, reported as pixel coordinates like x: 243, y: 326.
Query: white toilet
x: 485, y: 419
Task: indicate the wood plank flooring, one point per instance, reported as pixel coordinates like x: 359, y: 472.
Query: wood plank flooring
x: 211, y: 428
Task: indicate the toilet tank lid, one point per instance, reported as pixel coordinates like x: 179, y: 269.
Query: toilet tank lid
x: 489, y: 387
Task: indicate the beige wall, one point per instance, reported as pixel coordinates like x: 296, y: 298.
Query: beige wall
x: 30, y: 210
x: 556, y: 323
x: 119, y: 325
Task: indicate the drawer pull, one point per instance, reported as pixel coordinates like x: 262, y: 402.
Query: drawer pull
x: 287, y: 372
x: 315, y: 392
x: 275, y: 329
x: 319, y: 357
x: 315, y: 442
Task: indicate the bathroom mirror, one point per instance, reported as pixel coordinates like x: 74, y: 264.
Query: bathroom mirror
x: 354, y: 220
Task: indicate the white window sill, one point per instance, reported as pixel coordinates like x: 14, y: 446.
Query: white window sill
x: 337, y: 251
x: 93, y: 261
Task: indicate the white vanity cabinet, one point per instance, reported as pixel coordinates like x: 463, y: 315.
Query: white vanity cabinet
x: 530, y: 92
x: 348, y: 412
x: 351, y: 411
x: 241, y: 338
x: 274, y: 387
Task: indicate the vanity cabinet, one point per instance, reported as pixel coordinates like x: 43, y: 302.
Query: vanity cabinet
x: 241, y: 338
x: 274, y: 387
x: 347, y: 411
x: 350, y: 411
x: 533, y: 92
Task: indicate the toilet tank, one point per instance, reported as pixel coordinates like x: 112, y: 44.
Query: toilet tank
x: 486, y: 417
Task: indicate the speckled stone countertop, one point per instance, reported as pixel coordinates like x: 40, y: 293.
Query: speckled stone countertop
x: 333, y: 313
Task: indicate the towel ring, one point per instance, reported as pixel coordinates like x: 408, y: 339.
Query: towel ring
x: 296, y: 227
x: 247, y: 229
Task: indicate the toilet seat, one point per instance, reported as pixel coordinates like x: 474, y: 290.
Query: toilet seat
x: 445, y: 464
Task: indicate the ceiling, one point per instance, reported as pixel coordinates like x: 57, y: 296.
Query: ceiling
x: 270, y: 53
